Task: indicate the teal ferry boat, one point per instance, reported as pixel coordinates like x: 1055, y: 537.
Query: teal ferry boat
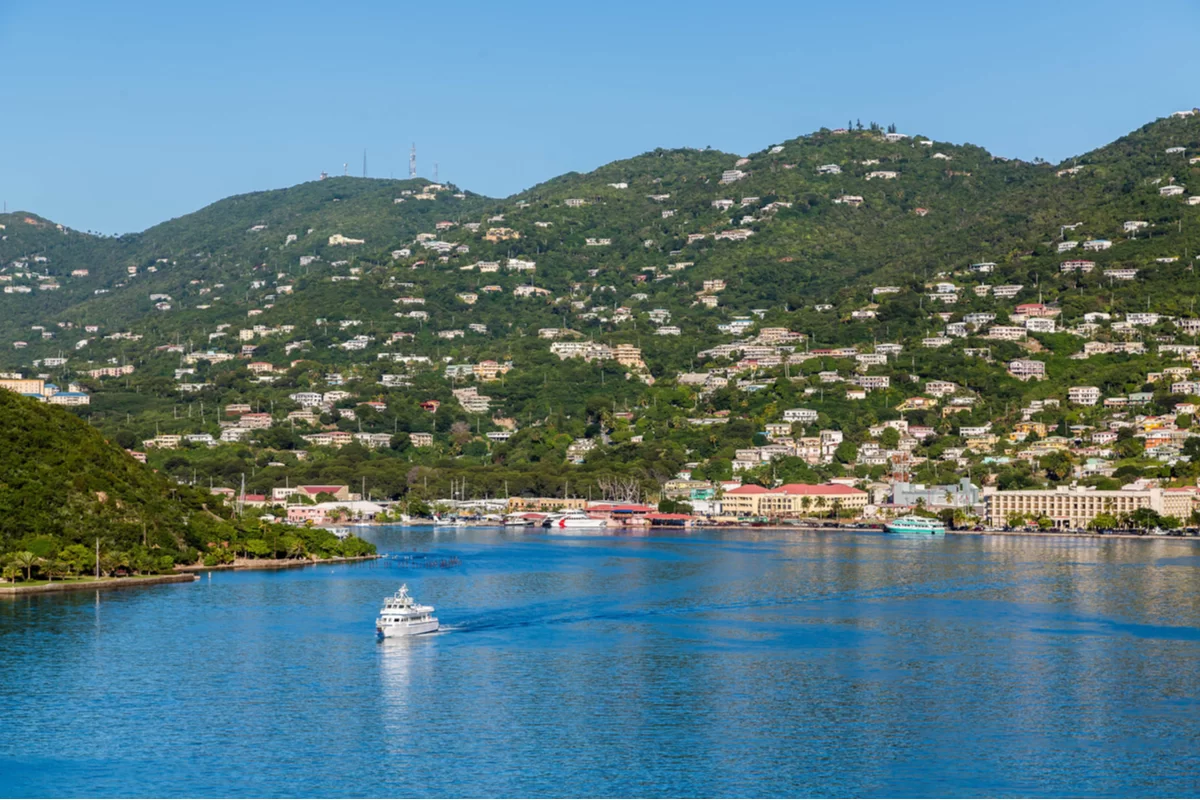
x: 923, y: 525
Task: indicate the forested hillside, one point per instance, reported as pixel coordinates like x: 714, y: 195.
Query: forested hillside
x: 60, y: 479
x: 645, y: 320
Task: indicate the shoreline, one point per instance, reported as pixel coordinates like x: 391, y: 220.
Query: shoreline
x: 623, y: 529
x: 246, y: 564
x: 103, y: 583
x: 1079, y: 535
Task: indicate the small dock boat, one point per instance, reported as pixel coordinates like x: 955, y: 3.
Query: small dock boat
x: 916, y: 525
x: 402, y: 616
x: 573, y: 519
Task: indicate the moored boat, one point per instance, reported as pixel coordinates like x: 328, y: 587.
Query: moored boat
x: 573, y: 519
x: 915, y: 524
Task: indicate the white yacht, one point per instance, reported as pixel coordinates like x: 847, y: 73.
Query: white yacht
x: 572, y: 519
x: 524, y: 519
x: 401, y: 616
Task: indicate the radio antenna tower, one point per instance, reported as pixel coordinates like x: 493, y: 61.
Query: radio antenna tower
x: 435, y: 180
x: 412, y: 162
x: 364, y: 162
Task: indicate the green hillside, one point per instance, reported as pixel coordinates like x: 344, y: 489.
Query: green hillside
x: 61, y: 480
x: 64, y: 489
x: 915, y: 254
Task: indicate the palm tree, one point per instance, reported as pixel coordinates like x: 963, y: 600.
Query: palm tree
x: 959, y: 517
x: 296, y: 549
x: 26, y: 561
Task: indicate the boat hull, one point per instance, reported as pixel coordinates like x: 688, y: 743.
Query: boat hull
x: 575, y: 522
x: 400, y: 630
x: 910, y: 531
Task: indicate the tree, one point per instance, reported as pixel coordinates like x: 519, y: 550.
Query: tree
x: 1057, y: 465
x: 460, y: 433
x: 258, y: 548
x: 27, y: 561
x: 417, y: 507
x: 78, y: 557
x: 1143, y: 519
x: 56, y: 568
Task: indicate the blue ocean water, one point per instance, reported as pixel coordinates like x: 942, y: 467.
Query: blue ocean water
x: 737, y: 663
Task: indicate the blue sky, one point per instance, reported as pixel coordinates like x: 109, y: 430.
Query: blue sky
x: 119, y: 115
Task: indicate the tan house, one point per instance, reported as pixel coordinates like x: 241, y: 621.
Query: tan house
x: 794, y: 499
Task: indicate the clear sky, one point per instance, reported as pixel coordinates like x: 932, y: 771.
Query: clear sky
x: 121, y: 114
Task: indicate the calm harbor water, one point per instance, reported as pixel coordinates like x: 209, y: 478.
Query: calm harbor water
x: 733, y: 663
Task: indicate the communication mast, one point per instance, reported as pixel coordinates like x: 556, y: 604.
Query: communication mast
x: 435, y: 180
x: 412, y: 162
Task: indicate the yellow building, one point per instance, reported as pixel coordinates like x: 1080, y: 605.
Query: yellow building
x: 982, y: 444
x: 1038, y: 428
x: 793, y: 500
x: 501, y: 234
x: 545, y: 503
x: 628, y: 355
x: 24, y: 385
x: 1075, y: 507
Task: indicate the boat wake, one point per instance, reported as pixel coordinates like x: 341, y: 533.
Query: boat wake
x: 516, y: 618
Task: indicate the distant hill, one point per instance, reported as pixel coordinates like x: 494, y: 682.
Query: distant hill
x: 946, y: 206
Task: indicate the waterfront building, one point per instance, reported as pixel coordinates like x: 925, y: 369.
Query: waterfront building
x: 794, y: 499
x: 1074, y: 507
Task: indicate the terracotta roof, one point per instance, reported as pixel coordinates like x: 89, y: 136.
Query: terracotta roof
x: 824, y: 488
x: 748, y: 488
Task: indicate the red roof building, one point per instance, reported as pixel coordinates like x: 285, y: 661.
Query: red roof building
x: 794, y: 499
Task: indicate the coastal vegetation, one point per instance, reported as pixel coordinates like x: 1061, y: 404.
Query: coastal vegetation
x: 64, y: 488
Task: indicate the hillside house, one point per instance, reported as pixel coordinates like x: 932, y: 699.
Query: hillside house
x: 1027, y: 369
